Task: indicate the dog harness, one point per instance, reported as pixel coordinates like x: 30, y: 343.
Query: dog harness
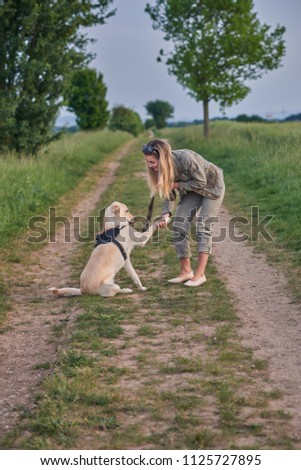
x: 109, y: 236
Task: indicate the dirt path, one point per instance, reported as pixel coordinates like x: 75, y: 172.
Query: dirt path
x: 271, y: 324
x: 30, y: 341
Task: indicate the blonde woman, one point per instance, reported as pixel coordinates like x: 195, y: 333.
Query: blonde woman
x: 201, y: 188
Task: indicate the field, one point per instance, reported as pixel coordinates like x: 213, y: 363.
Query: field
x: 164, y: 369
x: 30, y: 185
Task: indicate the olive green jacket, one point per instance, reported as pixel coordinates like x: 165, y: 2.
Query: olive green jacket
x: 194, y: 173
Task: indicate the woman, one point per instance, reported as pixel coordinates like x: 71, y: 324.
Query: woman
x: 201, y: 188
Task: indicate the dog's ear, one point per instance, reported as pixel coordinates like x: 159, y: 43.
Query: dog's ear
x: 116, y: 209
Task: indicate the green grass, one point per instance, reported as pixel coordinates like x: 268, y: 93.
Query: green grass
x: 162, y: 369
x: 28, y: 186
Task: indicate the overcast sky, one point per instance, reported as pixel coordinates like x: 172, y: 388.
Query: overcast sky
x: 127, y: 48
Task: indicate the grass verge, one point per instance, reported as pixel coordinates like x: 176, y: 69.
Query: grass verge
x: 30, y: 185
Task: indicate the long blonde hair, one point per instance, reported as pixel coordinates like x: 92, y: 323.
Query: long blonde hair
x: 161, y: 181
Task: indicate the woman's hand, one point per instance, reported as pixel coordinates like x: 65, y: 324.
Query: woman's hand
x: 164, y: 221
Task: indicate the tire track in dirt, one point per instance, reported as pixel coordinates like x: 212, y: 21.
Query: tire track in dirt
x: 270, y: 318
x: 30, y: 340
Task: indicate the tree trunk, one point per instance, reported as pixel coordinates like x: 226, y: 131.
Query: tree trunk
x: 206, y: 118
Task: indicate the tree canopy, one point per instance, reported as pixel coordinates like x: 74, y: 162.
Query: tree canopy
x: 42, y: 43
x: 218, y: 46
x: 125, y: 119
x: 86, y: 98
x: 160, y: 112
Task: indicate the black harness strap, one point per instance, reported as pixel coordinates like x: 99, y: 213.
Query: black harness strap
x: 109, y: 236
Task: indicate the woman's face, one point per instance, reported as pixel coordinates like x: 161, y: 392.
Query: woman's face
x: 152, y: 162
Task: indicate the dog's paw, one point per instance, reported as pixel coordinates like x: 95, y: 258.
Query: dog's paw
x: 143, y: 288
x: 125, y: 291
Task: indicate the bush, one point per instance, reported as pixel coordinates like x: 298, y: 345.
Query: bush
x: 125, y: 119
x: 253, y: 118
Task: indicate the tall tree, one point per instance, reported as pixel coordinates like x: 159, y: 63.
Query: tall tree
x: 42, y: 43
x: 218, y: 45
x: 160, y: 112
x: 86, y: 98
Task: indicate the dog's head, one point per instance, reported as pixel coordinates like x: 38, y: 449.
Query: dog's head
x: 117, y: 214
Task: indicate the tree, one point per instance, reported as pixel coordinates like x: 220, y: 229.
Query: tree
x: 149, y: 123
x: 293, y: 117
x: 125, y: 119
x: 42, y: 43
x: 218, y: 46
x: 86, y: 98
x: 160, y: 112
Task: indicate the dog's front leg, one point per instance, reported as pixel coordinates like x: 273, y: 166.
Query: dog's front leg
x: 131, y: 271
x: 142, y: 238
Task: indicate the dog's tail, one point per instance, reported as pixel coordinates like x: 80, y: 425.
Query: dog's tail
x: 65, y: 292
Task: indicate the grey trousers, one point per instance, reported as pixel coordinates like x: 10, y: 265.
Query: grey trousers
x: 205, y: 211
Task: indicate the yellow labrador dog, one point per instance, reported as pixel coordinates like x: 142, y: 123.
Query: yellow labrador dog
x: 111, y: 254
